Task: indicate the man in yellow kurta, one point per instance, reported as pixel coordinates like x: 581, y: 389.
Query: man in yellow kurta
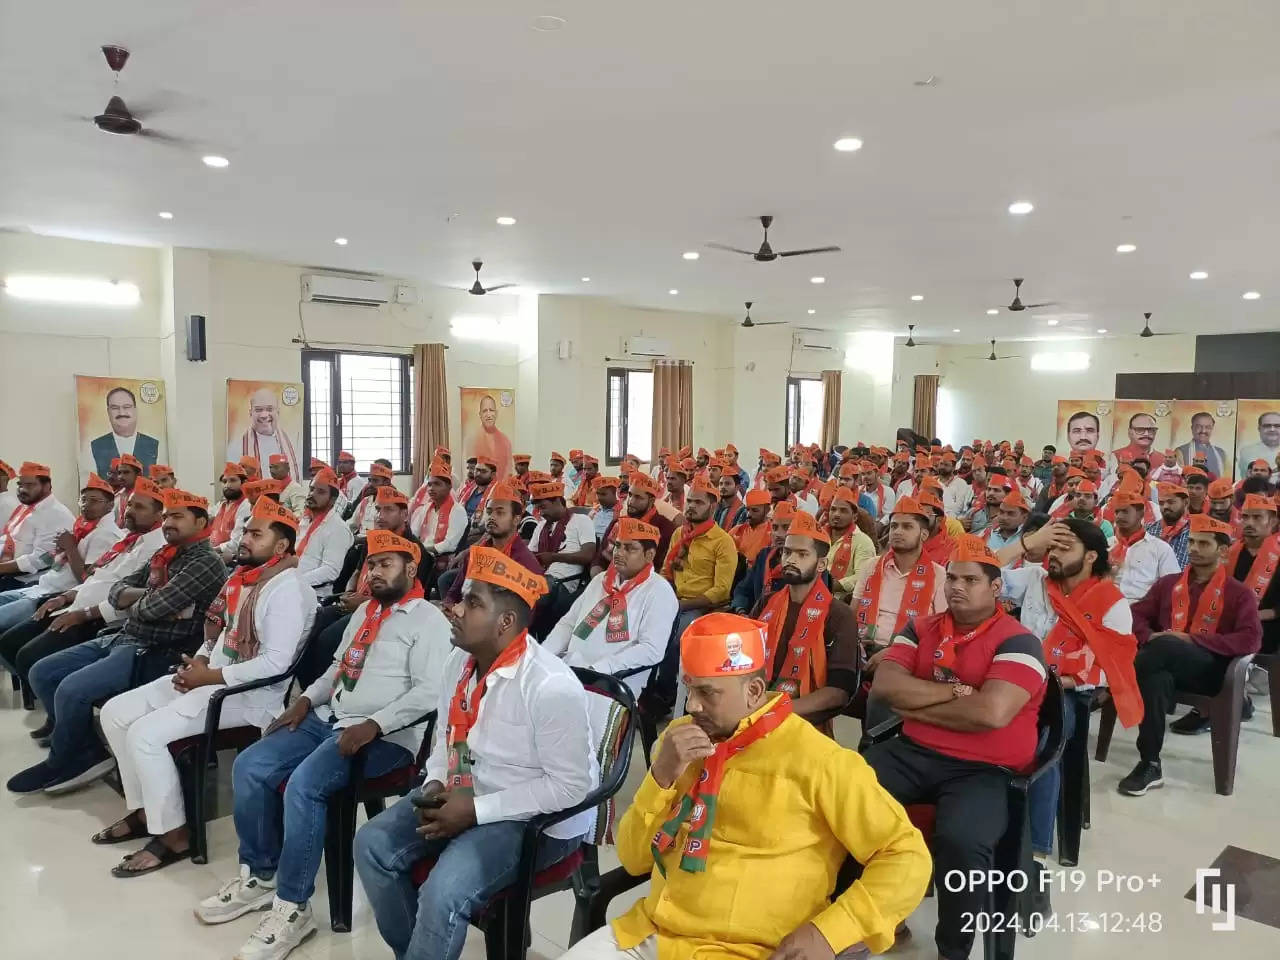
x: 744, y: 820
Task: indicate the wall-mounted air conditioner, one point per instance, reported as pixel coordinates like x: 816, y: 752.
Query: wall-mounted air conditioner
x: 646, y: 347
x: 816, y: 340
x: 321, y: 288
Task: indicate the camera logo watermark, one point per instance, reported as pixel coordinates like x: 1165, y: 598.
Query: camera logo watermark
x: 1215, y: 905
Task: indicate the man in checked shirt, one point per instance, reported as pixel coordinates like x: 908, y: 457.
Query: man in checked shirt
x: 165, y: 601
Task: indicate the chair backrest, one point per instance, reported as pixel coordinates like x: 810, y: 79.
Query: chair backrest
x: 1051, y: 731
x: 613, y: 742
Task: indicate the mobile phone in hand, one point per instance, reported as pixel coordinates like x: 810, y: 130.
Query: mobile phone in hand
x: 433, y: 802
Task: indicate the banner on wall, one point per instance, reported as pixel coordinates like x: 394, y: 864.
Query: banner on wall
x: 265, y: 417
x: 1257, y: 433
x: 1205, y: 427
x: 1084, y: 425
x: 488, y: 421
x: 115, y: 415
x: 1141, y: 428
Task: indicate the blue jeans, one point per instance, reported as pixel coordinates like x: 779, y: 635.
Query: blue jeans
x: 430, y: 923
x: 308, y: 758
x: 1043, y: 795
x: 14, y: 609
x: 69, y: 683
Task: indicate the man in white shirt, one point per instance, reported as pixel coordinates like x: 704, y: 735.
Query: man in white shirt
x: 799, y: 486
x: 223, y: 523
x: 362, y: 513
x: 350, y: 483
x: 91, y: 535
x: 1028, y: 483
x: 252, y: 632
x: 623, y: 619
x: 252, y: 490
x: 29, y: 539
x: 877, y: 490
x: 435, y: 515
x: 1138, y: 558
x: 956, y: 494
x: 127, y: 469
x: 516, y: 744
x: 385, y: 677
x: 8, y: 499
x: 293, y: 495
x: 323, y: 539
x: 563, y: 542
x: 78, y: 614
x: 605, y: 510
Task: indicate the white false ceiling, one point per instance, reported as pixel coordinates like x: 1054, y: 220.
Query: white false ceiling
x: 639, y: 131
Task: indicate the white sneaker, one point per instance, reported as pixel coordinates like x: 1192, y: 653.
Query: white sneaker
x: 285, y: 927
x: 237, y: 897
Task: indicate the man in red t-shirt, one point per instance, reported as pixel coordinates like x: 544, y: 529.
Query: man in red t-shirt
x: 968, y: 684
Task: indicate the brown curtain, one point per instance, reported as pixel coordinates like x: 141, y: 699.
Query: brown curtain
x: 924, y: 409
x: 672, y: 405
x: 830, y: 408
x: 430, y: 407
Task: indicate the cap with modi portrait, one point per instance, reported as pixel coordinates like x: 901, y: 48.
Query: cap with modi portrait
x: 722, y: 645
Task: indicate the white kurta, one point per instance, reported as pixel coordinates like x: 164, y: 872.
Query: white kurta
x: 423, y: 526
x: 577, y: 532
x: 8, y: 503
x: 60, y: 578
x: 34, y: 536
x: 93, y: 592
x: 141, y: 723
x: 294, y: 497
x: 321, y: 562
x: 1144, y: 563
x: 956, y: 497
x: 228, y: 549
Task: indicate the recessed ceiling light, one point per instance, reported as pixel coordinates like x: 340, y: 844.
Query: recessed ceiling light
x: 812, y: 312
x: 1102, y: 329
x: 848, y: 144
x: 817, y: 279
x: 165, y: 215
x: 673, y: 291
x: 1020, y: 208
x: 547, y: 24
x: 1126, y: 248
x: 1250, y: 295
x: 1052, y: 323
x: 1198, y: 275
x: 506, y: 221
x: 213, y: 160
x: 917, y: 297
x: 586, y: 279
x: 993, y: 312
x: 340, y: 241
x: 955, y: 330
x: 691, y: 254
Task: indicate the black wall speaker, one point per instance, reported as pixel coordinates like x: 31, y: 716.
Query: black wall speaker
x: 195, y: 338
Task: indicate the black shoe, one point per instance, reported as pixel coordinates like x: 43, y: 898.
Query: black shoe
x: 34, y: 779
x: 1145, y: 776
x: 43, y: 731
x: 1040, y: 903
x: 1192, y: 722
x: 1246, y: 712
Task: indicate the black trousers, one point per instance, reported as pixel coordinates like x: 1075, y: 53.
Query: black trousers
x: 972, y: 813
x: 1166, y: 666
x: 23, y: 645
x: 326, y: 636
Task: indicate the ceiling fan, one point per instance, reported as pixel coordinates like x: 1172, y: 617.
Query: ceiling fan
x: 766, y: 253
x: 748, y: 322
x: 476, y: 289
x: 1147, y: 331
x: 911, y: 329
x: 118, y: 118
x: 1017, y: 305
x: 992, y: 355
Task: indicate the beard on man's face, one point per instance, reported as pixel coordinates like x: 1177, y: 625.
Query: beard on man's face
x: 1060, y: 571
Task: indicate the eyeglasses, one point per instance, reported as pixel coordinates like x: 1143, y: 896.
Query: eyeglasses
x: 1145, y: 431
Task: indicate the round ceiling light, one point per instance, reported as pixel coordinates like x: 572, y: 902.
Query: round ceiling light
x: 213, y: 160
x: 1052, y: 323
x: 586, y: 279
x: 340, y: 241
x: 548, y: 24
x: 917, y: 297
x: 673, y: 291
x: 1250, y: 295
x: 817, y: 279
x: 955, y: 329
x: 1198, y: 275
x: 848, y: 144
x: 1020, y: 208
x: 1102, y: 329
x: 691, y: 255
x: 812, y: 311
x: 1126, y: 248
x: 992, y: 312
x: 506, y: 221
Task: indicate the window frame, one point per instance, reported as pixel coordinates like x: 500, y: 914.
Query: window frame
x: 625, y: 400
x: 791, y: 416
x: 334, y: 358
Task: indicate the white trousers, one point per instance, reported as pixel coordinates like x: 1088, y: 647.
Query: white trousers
x: 601, y: 945
x: 139, y: 725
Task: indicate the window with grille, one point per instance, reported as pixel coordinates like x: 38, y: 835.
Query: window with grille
x: 804, y: 411
x: 629, y: 414
x: 359, y: 402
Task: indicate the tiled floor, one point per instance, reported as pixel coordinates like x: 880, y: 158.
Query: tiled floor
x: 59, y: 900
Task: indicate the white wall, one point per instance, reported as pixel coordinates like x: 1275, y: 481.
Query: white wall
x: 43, y: 346
x: 1008, y: 400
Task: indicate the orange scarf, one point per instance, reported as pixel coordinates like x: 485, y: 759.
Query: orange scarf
x: 1079, y: 627
x: 160, y: 560
x: 120, y: 546
x: 356, y: 655
x: 224, y: 522
x: 944, y: 658
x: 1263, y: 568
x: 11, y: 530
x: 1167, y: 533
x: 805, y: 667
x: 464, y: 711
x: 939, y: 546
x: 917, y: 596
x: 842, y: 555
x: 315, y: 519
x: 751, y: 540
x: 1121, y: 549
x: 679, y: 551
x: 224, y: 612
x: 1208, y: 609
x: 727, y: 518
x: 585, y: 495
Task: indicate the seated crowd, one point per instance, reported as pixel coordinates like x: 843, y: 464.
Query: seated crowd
x: 933, y: 594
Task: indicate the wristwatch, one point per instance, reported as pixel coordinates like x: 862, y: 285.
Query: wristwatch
x: 960, y: 689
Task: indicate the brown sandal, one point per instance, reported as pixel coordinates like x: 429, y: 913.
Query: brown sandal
x: 157, y: 848
x: 137, y: 830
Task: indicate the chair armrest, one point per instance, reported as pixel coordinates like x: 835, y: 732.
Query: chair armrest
x: 884, y: 730
x: 623, y: 674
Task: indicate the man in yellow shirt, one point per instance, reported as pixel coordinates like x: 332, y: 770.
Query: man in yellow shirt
x: 700, y: 563
x: 744, y: 821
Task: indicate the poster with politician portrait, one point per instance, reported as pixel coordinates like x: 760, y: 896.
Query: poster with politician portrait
x: 264, y: 417
x: 1083, y: 425
x: 1257, y: 433
x: 115, y: 416
x: 488, y: 423
x: 1208, y: 428
x: 1141, y: 428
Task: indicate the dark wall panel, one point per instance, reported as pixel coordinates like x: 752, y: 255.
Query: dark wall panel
x: 1238, y: 352
x: 1198, y: 386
